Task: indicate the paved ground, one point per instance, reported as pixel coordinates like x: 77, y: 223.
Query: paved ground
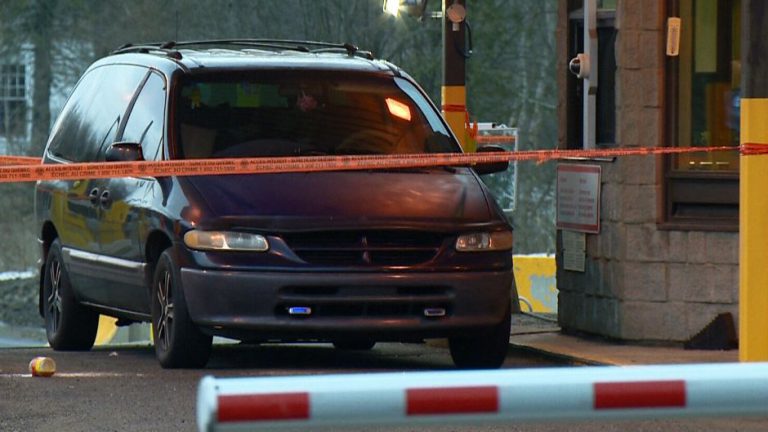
x: 122, y: 388
x: 544, y: 337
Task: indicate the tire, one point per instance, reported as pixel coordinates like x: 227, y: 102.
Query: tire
x: 354, y: 344
x: 179, y: 343
x: 483, y: 350
x: 69, y: 326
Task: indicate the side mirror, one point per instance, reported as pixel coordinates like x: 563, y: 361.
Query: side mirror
x: 490, y: 168
x: 124, y: 152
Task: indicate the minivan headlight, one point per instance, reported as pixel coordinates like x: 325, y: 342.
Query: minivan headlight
x: 484, y: 241
x: 225, y: 240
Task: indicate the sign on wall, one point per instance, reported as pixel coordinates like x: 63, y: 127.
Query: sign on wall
x: 578, y: 198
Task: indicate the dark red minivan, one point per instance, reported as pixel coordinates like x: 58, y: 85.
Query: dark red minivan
x: 350, y: 257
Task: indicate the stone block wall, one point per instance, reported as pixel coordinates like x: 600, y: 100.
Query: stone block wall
x: 642, y: 283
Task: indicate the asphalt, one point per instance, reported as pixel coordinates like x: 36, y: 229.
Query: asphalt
x: 534, y: 333
x: 541, y: 334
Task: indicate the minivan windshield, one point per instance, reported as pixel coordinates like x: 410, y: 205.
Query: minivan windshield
x: 301, y: 113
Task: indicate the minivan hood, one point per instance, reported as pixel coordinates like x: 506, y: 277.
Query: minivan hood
x: 348, y: 199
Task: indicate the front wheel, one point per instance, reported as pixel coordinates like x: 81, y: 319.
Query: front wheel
x: 69, y: 326
x: 178, y: 341
x: 483, y: 350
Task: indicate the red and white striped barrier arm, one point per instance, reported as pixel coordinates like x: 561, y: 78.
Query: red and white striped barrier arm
x: 413, y: 398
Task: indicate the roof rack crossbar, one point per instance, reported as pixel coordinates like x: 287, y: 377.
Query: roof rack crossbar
x: 366, y: 54
x: 274, y: 46
x: 171, y: 47
x: 146, y: 48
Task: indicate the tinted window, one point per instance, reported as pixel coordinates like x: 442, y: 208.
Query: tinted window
x: 299, y: 113
x: 145, y: 123
x: 92, y: 114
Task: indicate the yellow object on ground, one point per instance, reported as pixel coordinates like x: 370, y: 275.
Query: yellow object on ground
x: 42, y: 367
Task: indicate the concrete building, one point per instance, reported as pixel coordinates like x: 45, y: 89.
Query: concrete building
x: 664, y: 263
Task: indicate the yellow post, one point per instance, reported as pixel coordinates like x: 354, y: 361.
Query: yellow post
x: 753, y: 198
x: 454, y: 92
x: 454, y: 110
x: 753, y: 241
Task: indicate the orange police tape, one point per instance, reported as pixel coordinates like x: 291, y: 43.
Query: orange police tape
x: 19, y: 160
x: 23, y: 171
x: 493, y: 139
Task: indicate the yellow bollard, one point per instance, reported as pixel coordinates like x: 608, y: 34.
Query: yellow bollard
x: 455, y: 114
x: 753, y: 240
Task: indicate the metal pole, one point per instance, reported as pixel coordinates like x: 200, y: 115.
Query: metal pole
x: 590, y: 81
x: 482, y: 397
x: 454, y: 94
x: 753, y: 200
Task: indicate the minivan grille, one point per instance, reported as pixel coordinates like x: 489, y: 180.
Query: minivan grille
x: 365, y: 301
x: 365, y: 248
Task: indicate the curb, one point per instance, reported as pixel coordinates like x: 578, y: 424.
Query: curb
x: 557, y: 356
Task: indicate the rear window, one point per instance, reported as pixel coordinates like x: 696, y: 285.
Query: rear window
x: 291, y: 113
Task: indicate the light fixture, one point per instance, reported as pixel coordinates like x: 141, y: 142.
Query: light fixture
x: 392, y: 7
x: 414, y: 8
x: 456, y: 13
x: 225, y: 240
x: 484, y: 241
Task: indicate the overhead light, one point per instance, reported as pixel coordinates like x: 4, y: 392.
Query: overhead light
x: 392, y: 7
x: 414, y: 8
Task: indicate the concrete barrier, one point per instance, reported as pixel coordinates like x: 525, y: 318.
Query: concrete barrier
x: 475, y: 397
x: 536, y: 280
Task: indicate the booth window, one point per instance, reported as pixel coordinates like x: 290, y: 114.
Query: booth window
x: 701, y: 189
x: 13, y: 102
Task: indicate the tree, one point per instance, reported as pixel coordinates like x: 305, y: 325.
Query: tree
x: 511, y: 79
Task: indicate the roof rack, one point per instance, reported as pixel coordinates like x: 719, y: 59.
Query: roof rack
x: 170, y: 48
x: 148, y: 48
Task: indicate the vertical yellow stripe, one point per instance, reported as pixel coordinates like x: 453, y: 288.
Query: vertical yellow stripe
x: 753, y: 241
x: 107, y: 330
x: 456, y: 96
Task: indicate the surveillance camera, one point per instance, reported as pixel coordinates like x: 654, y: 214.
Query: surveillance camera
x: 575, y: 66
x: 579, y: 66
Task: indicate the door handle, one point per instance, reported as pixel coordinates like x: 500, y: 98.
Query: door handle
x: 105, y: 199
x: 93, y: 196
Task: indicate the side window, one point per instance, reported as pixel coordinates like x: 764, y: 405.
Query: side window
x: 66, y: 141
x: 146, y: 120
x: 92, y: 115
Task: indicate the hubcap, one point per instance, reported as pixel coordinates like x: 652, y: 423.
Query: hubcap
x: 164, y: 300
x: 54, y: 297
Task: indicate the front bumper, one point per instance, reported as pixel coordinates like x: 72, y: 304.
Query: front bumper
x: 380, y: 306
